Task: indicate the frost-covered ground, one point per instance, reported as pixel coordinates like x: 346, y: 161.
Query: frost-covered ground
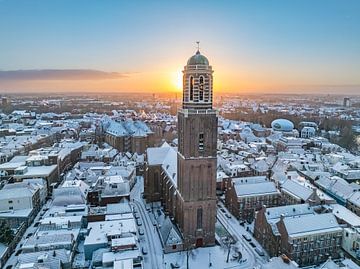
x: 200, y: 258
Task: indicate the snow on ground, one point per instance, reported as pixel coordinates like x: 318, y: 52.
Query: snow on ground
x: 201, y: 257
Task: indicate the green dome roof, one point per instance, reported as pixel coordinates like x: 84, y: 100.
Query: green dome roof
x: 198, y: 59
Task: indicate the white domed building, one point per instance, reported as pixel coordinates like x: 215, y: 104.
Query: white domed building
x: 284, y: 126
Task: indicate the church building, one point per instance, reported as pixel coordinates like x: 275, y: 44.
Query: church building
x: 184, y: 179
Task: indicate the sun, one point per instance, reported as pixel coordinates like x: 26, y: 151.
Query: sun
x: 177, y: 80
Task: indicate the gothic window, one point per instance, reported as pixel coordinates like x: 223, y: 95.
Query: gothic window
x: 199, y: 218
x: 201, y: 88
x: 191, y: 88
x: 201, y: 141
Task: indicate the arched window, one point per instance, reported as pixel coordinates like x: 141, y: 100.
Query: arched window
x: 191, y: 88
x: 157, y: 182
x: 201, y: 88
x: 199, y: 218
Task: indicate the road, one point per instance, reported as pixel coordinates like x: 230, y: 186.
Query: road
x: 235, y: 229
x: 154, y: 257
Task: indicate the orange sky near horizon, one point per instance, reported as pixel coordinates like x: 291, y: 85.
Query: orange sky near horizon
x: 170, y: 80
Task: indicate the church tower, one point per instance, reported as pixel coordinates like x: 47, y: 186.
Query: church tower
x: 197, y: 139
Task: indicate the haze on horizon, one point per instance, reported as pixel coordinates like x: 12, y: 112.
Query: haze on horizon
x: 141, y: 46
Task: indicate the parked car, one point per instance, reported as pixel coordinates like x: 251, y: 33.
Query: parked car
x: 252, y: 244
x: 141, y: 231
x: 144, y: 250
x: 259, y: 251
x: 174, y: 266
x: 228, y: 215
x: 29, y: 235
x: 223, y: 210
x: 138, y: 222
x: 246, y: 237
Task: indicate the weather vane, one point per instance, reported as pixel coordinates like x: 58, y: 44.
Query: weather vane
x: 198, y: 45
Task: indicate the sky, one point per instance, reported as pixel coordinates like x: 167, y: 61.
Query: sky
x: 282, y: 46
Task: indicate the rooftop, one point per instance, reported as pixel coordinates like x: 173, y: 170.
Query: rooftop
x: 262, y: 188
x: 311, y: 224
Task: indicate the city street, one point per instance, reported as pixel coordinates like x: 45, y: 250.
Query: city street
x: 151, y: 240
x: 153, y: 259
x: 236, y: 230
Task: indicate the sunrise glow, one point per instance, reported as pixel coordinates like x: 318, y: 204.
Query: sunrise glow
x: 141, y: 46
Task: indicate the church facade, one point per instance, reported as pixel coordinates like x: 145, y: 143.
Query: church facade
x: 185, y: 180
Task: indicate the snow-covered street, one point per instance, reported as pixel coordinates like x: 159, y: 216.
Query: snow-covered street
x: 209, y: 257
x: 237, y: 231
x: 153, y: 259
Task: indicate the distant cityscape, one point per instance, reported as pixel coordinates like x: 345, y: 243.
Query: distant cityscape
x: 191, y: 180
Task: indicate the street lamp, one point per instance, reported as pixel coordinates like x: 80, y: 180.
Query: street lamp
x: 210, y: 264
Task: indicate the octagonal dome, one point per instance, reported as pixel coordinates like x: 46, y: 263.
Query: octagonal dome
x: 198, y: 59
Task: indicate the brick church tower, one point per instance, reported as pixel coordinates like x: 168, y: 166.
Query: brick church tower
x: 196, y: 160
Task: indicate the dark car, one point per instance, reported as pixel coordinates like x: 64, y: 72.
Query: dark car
x: 29, y: 234
x: 246, y: 237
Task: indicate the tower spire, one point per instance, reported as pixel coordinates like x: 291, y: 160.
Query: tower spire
x: 198, y: 46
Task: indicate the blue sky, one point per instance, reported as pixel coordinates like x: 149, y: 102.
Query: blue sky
x: 252, y: 45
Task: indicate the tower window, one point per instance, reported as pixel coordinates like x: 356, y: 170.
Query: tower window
x: 201, y: 88
x: 191, y: 88
x: 201, y: 141
x: 199, y: 218
x: 157, y: 181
